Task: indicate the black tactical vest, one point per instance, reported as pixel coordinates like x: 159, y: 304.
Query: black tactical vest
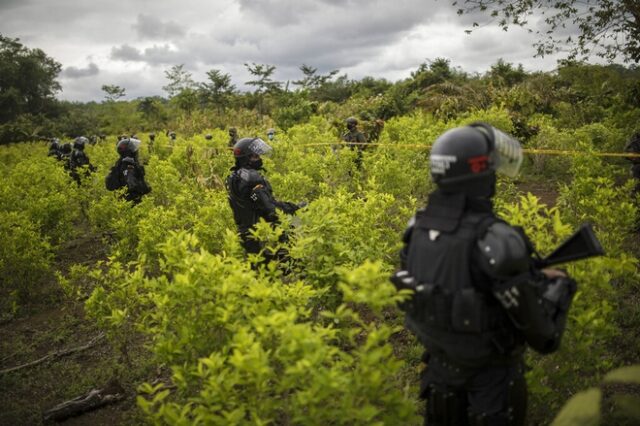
x: 453, y: 313
x: 239, y: 186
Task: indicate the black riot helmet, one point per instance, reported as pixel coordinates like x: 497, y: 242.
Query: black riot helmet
x: 208, y: 136
x: 245, y: 148
x: 55, y: 144
x: 466, y: 159
x: 128, y: 147
x: 351, y: 123
x: 80, y: 142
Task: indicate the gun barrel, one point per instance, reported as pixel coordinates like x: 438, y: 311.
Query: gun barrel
x: 581, y: 245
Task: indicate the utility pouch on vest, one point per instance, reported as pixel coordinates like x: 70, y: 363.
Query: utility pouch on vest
x: 431, y: 306
x: 438, y: 307
x: 467, y: 311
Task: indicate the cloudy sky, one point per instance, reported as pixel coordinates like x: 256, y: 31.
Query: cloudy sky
x: 131, y: 43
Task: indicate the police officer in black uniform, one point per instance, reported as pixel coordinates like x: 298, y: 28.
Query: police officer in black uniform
x: 250, y: 194
x: 54, y: 149
x: 128, y: 172
x: 79, y: 158
x: 478, y: 299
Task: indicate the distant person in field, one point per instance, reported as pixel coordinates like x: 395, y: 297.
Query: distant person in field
x: 271, y: 134
x: 79, y: 159
x: 233, y: 136
x: 172, y: 136
x: 633, y: 147
x: 354, y: 138
x: 251, y: 196
x: 152, y: 138
x: 128, y: 172
x: 54, y: 149
x: 65, y: 153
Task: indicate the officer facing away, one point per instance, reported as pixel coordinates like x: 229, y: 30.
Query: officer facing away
x: 54, y: 149
x: 79, y: 158
x: 478, y: 298
x: 128, y: 172
x: 250, y: 195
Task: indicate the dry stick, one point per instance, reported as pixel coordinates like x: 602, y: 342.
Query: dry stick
x: 92, y: 400
x: 57, y: 354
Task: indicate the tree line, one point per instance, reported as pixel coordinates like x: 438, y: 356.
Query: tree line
x: 576, y: 92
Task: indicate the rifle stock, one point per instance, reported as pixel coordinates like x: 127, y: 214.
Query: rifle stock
x: 581, y: 245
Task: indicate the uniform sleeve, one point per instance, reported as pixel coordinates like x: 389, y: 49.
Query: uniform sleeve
x: 263, y: 202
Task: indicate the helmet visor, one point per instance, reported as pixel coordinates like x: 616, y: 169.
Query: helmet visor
x: 508, y: 154
x: 134, y: 144
x: 259, y: 147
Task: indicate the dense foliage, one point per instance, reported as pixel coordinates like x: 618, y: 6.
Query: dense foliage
x: 324, y: 343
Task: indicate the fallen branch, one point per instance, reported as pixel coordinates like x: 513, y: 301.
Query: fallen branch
x: 57, y: 354
x: 95, y: 398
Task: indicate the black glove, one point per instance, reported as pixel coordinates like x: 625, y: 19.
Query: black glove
x: 288, y: 208
x: 402, y: 280
x: 560, y: 292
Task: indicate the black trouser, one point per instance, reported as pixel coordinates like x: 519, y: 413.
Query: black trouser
x: 253, y: 246
x: 490, y: 396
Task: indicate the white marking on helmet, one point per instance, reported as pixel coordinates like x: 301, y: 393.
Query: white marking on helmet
x: 441, y: 163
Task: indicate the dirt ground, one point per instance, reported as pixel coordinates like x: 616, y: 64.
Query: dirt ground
x: 52, y: 323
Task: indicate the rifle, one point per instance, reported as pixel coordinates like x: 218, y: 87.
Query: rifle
x: 581, y: 245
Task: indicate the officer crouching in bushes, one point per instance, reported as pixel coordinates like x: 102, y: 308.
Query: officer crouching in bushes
x: 478, y: 298
x: 250, y: 194
x: 128, y: 172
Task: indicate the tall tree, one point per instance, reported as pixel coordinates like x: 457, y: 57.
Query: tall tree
x: 113, y: 92
x: 606, y: 28
x: 263, y: 83
x: 218, y: 90
x: 151, y: 108
x: 27, y: 80
x: 179, y: 80
x: 311, y: 79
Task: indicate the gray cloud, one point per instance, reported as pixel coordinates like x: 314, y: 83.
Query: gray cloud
x: 75, y: 72
x: 154, y: 55
x: 132, y: 43
x: 151, y: 28
x: 126, y: 53
x: 8, y: 4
